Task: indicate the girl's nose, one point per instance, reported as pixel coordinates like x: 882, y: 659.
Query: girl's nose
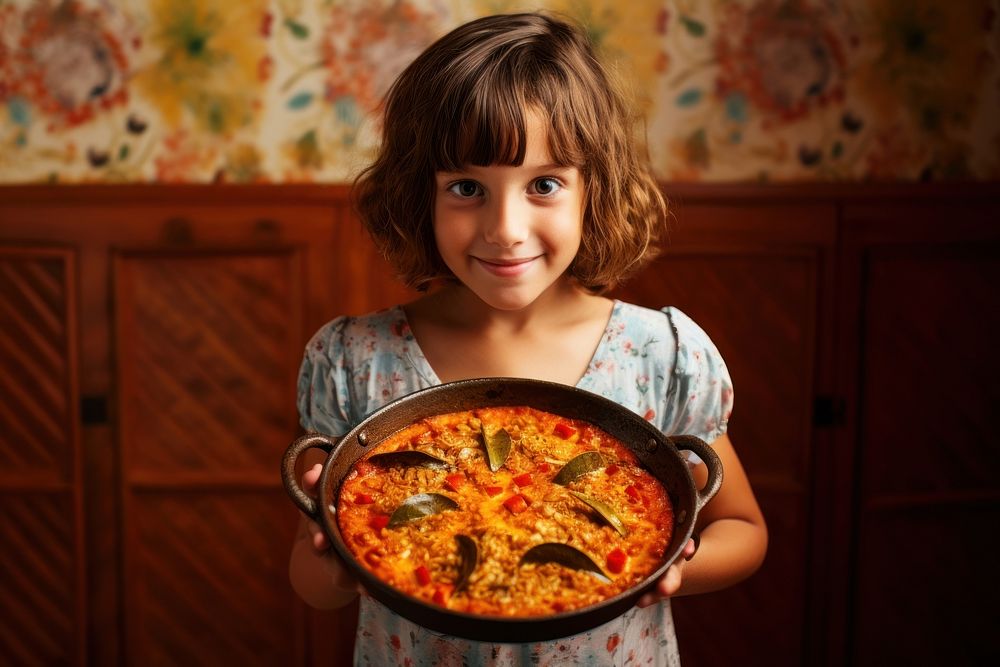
x: 506, y: 223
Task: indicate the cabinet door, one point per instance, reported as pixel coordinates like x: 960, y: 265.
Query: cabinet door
x: 41, y: 501
x: 924, y: 330
x: 753, y: 277
x: 195, y: 307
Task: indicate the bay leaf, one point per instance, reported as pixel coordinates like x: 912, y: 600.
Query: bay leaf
x: 498, y: 444
x: 468, y: 559
x: 407, y: 458
x: 607, y: 512
x: 579, y: 465
x: 565, y: 555
x: 419, y: 506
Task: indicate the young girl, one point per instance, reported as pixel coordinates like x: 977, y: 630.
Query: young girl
x: 507, y: 181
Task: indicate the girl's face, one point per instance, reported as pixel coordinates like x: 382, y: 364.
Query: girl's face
x: 509, y: 233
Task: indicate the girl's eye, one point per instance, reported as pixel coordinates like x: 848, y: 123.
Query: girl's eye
x: 465, y: 189
x: 547, y: 186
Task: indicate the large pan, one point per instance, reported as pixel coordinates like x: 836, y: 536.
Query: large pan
x: 659, y: 453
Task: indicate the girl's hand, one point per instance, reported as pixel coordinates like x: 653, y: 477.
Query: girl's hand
x: 318, y: 538
x: 671, y: 581
x: 341, y: 576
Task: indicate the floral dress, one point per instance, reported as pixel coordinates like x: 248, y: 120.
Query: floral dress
x: 658, y: 363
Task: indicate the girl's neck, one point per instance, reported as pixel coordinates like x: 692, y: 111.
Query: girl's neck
x: 458, y: 307
x: 553, y: 338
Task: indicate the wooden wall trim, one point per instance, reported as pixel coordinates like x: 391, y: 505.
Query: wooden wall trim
x: 720, y: 193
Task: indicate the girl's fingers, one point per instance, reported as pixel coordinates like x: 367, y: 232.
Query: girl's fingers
x: 310, y: 478
x: 670, y: 582
x: 647, y: 599
x: 319, y: 541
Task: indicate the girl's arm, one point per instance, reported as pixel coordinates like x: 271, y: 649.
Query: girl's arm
x: 732, y: 532
x: 317, y: 573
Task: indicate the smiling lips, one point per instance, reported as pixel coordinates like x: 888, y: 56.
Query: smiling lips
x: 506, y: 268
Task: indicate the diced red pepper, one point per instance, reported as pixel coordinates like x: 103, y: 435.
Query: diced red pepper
x: 454, y: 481
x: 616, y: 560
x: 379, y: 521
x: 611, y: 469
x: 564, y: 430
x: 423, y: 575
x: 493, y: 490
x: 524, y: 479
x: 633, y: 493
x: 441, y: 595
x: 544, y: 467
x: 516, y: 504
x: 363, y: 499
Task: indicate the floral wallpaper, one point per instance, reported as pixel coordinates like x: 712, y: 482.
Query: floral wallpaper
x: 285, y: 90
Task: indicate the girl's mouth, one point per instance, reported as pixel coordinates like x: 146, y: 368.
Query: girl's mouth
x: 506, y: 268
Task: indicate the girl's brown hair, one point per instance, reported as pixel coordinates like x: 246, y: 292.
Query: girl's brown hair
x: 464, y: 100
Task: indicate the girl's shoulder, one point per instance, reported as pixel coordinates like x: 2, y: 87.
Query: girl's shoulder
x: 669, y: 326
x: 360, y: 333
x: 664, y: 366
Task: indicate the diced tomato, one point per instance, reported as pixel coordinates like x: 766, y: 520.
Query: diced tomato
x: 516, y: 504
x: 523, y: 479
x: 423, y: 575
x: 441, y: 595
x: 379, y: 521
x: 544, y: 467
x: 616, y: 560
x: 455, y: 481
x: 633, y: 493
x: 611, y: 469
x: 493, y: 490
x: 363, y: 499
x: 564, y: 430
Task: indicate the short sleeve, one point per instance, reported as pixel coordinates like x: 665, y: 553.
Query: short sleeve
x: 323, y: 390
x: 700, y: 393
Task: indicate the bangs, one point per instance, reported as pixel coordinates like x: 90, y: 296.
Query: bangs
x: 489, y: 128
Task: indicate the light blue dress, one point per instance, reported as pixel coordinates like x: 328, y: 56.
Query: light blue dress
x: 660, y: 364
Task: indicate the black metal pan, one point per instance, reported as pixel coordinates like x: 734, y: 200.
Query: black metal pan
x: 660, y: 454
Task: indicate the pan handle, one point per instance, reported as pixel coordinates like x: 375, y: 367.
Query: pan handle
x: 288, y: 461
x: 712, y: 462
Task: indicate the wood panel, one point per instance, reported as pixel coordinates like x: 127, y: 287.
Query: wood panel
x: 927, y: 454
x: 207, y: 346
x: 41, y: 526
x: 192, y: 474
x: 756, y: 293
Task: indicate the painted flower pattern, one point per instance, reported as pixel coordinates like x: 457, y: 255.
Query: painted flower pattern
x: 67, y: 62
x: 288, y: 90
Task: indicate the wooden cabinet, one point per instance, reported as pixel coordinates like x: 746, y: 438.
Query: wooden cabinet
x: 150, y: 339
x: 921, y: 431
x: 141, y: 492
x: 756, y: 274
